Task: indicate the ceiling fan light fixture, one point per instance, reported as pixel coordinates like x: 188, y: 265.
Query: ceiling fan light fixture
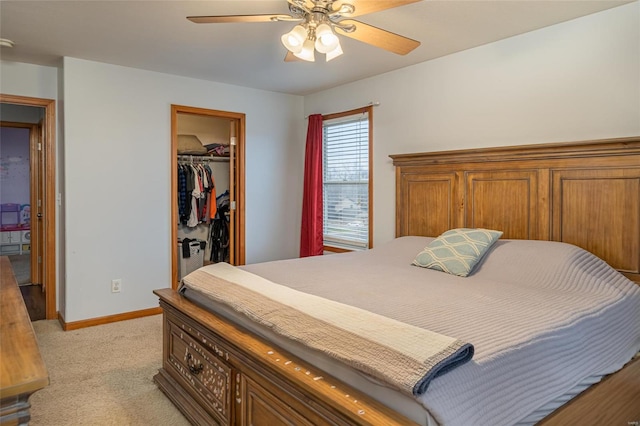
x: 334, y: 53
x: 326, y: 40
x: 320, y: 25
x: 295, y: 39
x: 308, y: 52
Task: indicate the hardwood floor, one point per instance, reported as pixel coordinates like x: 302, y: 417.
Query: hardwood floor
x: 21, y: 265
x: 32, y: 294
x: 34, y: 299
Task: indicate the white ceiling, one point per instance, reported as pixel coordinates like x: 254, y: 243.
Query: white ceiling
x: 155, y: 35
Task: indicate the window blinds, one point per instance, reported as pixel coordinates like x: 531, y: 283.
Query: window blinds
x: 346, y: 181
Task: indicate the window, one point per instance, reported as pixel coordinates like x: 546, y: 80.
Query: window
x: 346, y: 156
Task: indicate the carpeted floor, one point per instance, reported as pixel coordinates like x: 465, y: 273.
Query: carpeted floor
x: 21, y: 265
x: 102, y: 375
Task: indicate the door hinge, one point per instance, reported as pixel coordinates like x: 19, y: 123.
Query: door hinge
x: 39, y: 146
x: 39, y: 259
x: 232, y: 205
x: 233, y: 140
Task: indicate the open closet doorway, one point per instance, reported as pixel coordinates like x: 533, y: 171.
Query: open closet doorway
x: 27, y: 204
x: 207, y: 188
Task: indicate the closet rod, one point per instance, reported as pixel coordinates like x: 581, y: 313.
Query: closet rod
x: 201, y: 159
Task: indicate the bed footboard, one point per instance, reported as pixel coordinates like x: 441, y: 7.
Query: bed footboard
x: 217, y: 373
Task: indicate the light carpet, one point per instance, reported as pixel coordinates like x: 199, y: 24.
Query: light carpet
x: 102, y: 375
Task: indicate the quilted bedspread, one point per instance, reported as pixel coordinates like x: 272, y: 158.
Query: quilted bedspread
x: 401, y: 355
x: 545, y: 319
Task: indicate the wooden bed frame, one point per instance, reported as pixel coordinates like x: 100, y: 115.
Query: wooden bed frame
x: 585, y: 193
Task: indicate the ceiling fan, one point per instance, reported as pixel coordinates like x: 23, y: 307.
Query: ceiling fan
x: 320, y: 20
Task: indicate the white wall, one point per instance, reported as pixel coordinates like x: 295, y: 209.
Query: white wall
x: 574, y: 81
x: 117, y: 174
x: 28, y: 80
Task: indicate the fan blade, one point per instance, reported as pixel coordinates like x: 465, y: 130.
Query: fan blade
x: 363, y: 7
x: 290, y: 57
x: 238, y: 18
x: 378, y: 37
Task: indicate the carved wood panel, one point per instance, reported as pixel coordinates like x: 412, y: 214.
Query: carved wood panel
x: 599, y: 210
x: 505, y: 201
x: 239, y: 380
x: 262, y: 409
x: 430, y: 204
x: 208, y: 379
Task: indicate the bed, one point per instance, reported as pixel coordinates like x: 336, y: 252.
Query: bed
x: 548, y: 201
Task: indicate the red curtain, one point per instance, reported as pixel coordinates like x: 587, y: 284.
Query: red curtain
x: 311, y: 233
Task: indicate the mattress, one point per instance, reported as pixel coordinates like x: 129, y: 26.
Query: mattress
x: 546, y: 320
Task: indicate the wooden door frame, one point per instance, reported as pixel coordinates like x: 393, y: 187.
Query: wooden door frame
x: 34, y: 195
x: 239, y: 236
x: 49, y: 199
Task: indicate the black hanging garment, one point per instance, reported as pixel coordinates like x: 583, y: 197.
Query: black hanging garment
x: 219, y: 236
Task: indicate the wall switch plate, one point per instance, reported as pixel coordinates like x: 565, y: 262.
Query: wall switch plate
x: 116, y: 285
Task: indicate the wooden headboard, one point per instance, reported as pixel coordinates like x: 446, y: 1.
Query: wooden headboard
x: 583, y: 193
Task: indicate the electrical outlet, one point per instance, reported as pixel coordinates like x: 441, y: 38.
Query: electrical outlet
x: 116, y: 285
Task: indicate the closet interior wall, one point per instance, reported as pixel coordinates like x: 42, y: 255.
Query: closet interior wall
x: 209, y: 130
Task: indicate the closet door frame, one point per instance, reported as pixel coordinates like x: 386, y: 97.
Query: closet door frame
x: 237, y: 180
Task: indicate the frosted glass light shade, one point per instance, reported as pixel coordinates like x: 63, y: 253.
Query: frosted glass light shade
x: 307, y: 52
x: 294, y: 39
x: 326, y: 40
x: 334, y: 53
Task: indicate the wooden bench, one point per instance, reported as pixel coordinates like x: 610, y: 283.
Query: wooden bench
x: 22, y: 371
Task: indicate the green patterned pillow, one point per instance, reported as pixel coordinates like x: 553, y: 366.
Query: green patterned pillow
x: 457, y: 251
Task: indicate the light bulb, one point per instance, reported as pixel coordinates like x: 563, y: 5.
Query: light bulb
x: 334, y: 53
x: 326, y: 40
x: 307, y: 52
x: 294, y: 39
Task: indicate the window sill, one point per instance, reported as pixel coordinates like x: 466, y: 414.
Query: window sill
x: 336, y: 249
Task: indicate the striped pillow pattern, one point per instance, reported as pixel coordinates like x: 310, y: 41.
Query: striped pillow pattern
x: 457, y: 251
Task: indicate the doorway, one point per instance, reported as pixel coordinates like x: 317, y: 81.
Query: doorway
x: 28, y: 222
x: 212, y: 141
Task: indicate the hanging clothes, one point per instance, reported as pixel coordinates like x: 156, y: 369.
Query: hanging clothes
x: 195, y: 186
x: 213, y: 207
x: 195, y: 196
x: 182, y: 193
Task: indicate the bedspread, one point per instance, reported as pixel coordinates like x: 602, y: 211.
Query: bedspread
x: 401, y: 355
x: 544, y: 319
